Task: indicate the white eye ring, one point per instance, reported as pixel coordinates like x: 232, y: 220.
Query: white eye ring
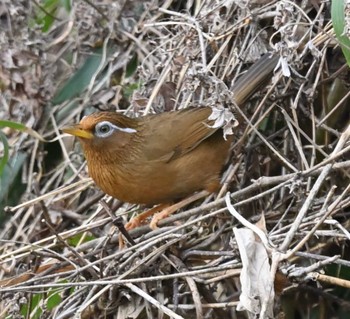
x: 105, y: 129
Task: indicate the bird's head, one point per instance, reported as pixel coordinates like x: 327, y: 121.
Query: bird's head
x: 104, y: 132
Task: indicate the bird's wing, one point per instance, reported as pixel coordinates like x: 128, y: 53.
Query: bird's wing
x: 171, y: 135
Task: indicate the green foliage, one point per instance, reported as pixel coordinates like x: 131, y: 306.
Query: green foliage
x: 132, y: 66
x: 13, y: 125
x: 128, y: 90
x: 34, y: 308
x: 78, y: 238
x: 11, y: 187
x: 338, y: 20
x: 54, y: 298
x: 5, y: 157
x: 45, y: 15
x: 80, y: 80
x: 17, y: 126
x: 21, y: 127
x: 29, y: 307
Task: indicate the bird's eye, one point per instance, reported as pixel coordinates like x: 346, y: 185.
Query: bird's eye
x: 104, y: 129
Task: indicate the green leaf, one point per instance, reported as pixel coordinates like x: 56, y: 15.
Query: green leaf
x: 45, y: 14
x: 338, y: 20
x: 75, y: 240
x: 132, y: 66
x: 51, y: 300
x: 21, y: 127
x: 46, y: 11
x: 67, y: 5
x: 128, y: 90
x: 35, y: 300
x: 14, y: 125
x: 54, y: 298
x: 4, y: 159
x: 11, y: 186
x: 80, y: 80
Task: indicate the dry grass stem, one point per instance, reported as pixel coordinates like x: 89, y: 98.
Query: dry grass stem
x: 289, y: 162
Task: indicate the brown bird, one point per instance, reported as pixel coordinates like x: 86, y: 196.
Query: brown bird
x: 160, y: 158
x: 154, y: 159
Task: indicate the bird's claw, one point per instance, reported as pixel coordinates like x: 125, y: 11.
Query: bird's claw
x: 153, y: 224
x: 132, y: 224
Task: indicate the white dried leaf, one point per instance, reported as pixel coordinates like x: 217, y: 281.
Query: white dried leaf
x: 224, y: 118
x: 131, y: 309
x: 283, y: 64
x: 257, y: 294
x: 314, y: 50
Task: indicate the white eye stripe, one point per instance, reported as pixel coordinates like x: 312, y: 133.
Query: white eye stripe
x: 126, y: 130
x: 105, y: 128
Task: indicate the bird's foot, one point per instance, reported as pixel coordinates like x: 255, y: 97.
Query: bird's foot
x: 172, y: 209
x: 159, y: 216
x: 139, y: 219
x: 133, y: 223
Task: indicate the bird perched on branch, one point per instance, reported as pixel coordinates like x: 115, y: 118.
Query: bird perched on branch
x: 161, y: 158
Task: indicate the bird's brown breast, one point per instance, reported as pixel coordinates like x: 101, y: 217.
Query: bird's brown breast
x: 171, y: 156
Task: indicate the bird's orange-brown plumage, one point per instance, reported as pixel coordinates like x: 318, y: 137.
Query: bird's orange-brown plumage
x: 167, y: 157
x: 160, y: 158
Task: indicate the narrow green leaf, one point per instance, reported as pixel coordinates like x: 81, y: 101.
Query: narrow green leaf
x: 76, y: 239
x: 46, y: 11
x: 128, y: 90
x: 21, y: 127
x: 4, y: 159
x: 132, y: 66
x: 54, y: 299
x: 80, y: 80
x: 36, y: 299
x: 14, y: 125
x: 11, y: 184
x: 45, y: 14
x: 338, y: 20
x: 67, y: 5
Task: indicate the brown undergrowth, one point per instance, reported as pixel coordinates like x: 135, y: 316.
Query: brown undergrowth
x: 290, y: 161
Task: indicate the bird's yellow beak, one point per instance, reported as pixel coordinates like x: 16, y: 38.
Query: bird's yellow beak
x: 78, y: 131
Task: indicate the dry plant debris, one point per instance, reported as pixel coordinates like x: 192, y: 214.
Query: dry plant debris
x: 290, y: 162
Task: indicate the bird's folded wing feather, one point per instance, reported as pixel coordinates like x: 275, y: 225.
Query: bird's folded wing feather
x: 183, y: 133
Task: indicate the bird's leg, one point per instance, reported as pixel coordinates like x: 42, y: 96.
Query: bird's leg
x: 165, y: 211
x: 172, y: 209
x: 137, y: 220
